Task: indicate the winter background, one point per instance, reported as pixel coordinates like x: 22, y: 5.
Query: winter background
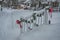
x: 9, y: 30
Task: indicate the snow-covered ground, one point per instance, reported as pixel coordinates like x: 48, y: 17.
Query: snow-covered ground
x: 9, y: 30
x: 45, y: 32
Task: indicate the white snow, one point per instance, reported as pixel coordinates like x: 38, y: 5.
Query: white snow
x: 9, y: 30
x: 45, y: 32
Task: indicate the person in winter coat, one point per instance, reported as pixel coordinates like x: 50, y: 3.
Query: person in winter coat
x: 50, y: 11
x: 19, y: 22
x: 50, y: 14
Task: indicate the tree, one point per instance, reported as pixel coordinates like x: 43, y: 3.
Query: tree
x: 14, y: 2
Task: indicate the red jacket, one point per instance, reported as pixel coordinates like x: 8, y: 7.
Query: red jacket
x: 19, y: 22
x: 51, y: 10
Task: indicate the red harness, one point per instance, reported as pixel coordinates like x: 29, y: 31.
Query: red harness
x: 50, y: 10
